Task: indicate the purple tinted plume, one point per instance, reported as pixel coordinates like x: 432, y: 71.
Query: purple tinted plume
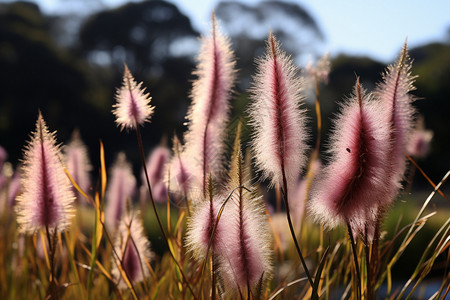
x: 209, y: 112
x: 354, y: 183
x: 122, y: 185
x: 394, y: 94
x: 301, y: 193
x: 133, y: 104
x: 13, y: 189
x: 78, y: 164
x: 156, y: 164
x: 321, y: 70
x: 47, y: 198
x: 200, y: 229
x: 419, y: 143
x: 3, y: 157
x: 133, y: 247
x: 247, y: 255
x: 180, y: 179
x: 278, y: 122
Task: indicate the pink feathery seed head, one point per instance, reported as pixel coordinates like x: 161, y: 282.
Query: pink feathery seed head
x: 298, y: 201
x: 122, y: 186
x: 47, y: 197
x: 156, y: 167
x: 3, y: 157
x: 14, y: 188
x: 209, y: 112
x: 353, y: 184
x: 321, y: 70
x: 201, y: 227
x: 133, y: 247
x: 419, y: 143
x: 133, y: 104
x: 247, y: 255
x: 300, y: 194
x: 278, y: 122
x: 78, y: 163
x: 178, y: 178
x: 394, y: 95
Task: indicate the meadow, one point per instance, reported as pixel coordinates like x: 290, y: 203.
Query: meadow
x: 221, y: 217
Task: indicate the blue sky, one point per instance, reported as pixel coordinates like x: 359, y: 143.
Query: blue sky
x: 374, y: 28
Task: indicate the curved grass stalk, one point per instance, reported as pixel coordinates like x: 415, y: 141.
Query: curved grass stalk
x: 423, y: 266
x: 410, y: 235
x: 141, y: 148
x: 280, y: 290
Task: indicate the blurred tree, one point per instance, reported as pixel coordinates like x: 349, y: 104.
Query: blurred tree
x: 143, y: 34
x: 432, y: 65
x: 248, y: 26
x: 35, y: 73
x: 158, y: 44
x: 41, y: 69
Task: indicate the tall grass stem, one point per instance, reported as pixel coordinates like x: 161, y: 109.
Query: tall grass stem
x: 141, y: 148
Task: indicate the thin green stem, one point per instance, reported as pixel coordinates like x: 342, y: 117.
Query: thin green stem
x: 141, y: 148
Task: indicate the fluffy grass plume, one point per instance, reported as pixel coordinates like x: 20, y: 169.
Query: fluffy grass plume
x: 156, y: 164
x: 3, y: 157
x: 47, y: 198
x: 122, y: 185
x: 278, y: 122
x: 247, y: 255
x: 420, y: 140
x: 133, y: 247
x: 133, y: 104
x: 394, y: 94
x: 200, y: 227
x: 209, y: 112
x: 352, y: 186
x: 321, y: 70
x: 180, y: 178
x: 78, y: 164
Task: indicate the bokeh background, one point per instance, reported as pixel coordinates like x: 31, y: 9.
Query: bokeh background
x: 65, y: 57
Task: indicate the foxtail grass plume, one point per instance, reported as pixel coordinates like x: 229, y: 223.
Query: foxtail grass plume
x: 156, y: 164
x: 300, y: 195
x: 278, y: 122
x: 78, y: 164
x: 321, y: 70
x: 179, y: 178
x: 133, y: 248
x: 133, y: 104
x: 3, y: 157
x: 209, y: 112
x: 247, y: 256
x: 122, y: 186
x: 14, y: 188
x: 47, y: 198
x: 201, y: 224
x: 354, y: 183
x: 419, y: 143
x: 394, y: 94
